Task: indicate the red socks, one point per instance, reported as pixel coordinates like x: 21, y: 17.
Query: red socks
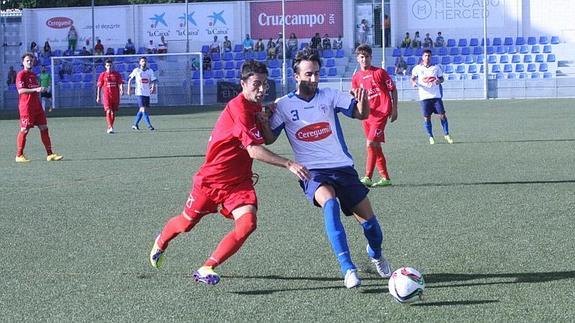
x: 370, y: 161
x: 175, y: 226
x: 21, y: 142
x: 375, y: 157
x: 46, y: 141
x: 381, y: 163
x: 110, y: 117
x: 232, y: 242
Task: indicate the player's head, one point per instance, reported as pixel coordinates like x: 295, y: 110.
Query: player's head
x: 426, y: 57
x: 28, y: 60
x: 108, y: 64
x: 254, y: 80
x: 306, y: 65
x: 143, y: 62
x: 363, y: 55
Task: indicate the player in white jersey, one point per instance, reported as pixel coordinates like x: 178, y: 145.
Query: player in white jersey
x: 428, y: 78
x: 145, y: 86
x: 309, y: 118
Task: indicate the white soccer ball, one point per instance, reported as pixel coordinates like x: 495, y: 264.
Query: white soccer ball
x: 406, y: 285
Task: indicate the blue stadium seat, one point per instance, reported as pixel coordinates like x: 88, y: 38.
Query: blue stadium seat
x: 219, y: 74
x: 445, y: 60
x: 411, y: 60
x: 87, y: 77
x: 453, y: 51
x: 195, y: 75
x: 120, y: 51
x: 229, y: 65
x: 215, y: 57
x: 501, y: 50
x: 448, y: 69
x: 469, y: 59
x: 209, y: 83
x: 339, y: 53
x: 230, y: 74
x: 479, y: 59
x: 534, y: 75
x: 142, y: 50
x: 524, y: 49
x: 511, y: 76
x: 435, y: 60
x: 205, y: 49
x: 539, y: 58
x: 497, y: 41
x: 543, y: 67
x: 330, y: 62
x: 531, y: 40
x: 218, y: 65
x: 500, y: 76
x: 249, y: 55
x: 274, y: 63
x: 442, y: 51
x: 239, y: 65
x: 261, y: 56
x: 477, y: 50
x: 458, y: 60
x: 495, y: 68
x: 323, y: 72
x: 531, y: 67
x: 228, y: 56
x: 460, y: 69
x: 390, y: 70
x: 503, y: 59
x: 474, y: 42
x: 512, y: 49
x: 516, y: 58
x: 543, y: 40
x: 462, y: 42
x: 451, y: 43
x: 527, y: 59
x: 547, y: 49
x: 519, y: 41
x: 508, y: 41
x: 492, y: 59
x: 472, y: 69
x: 490, y: 50
x: 208, y: 75
x: 554, y: 40
x: 519, y: 68
x: 276, y: 73
x: 522, y: 75
x: 483, y: 42
x: 535, y: 49
x: 465, y: 51
x: 76, y: 77
x: 419, y: 52
x: 408, y: 52
x: 239, y: 56
x: 327, y: 53
x: 332, y: 72
x: 551, y: 58
x: 547, y: 75
x: 396, y: 52
x: 238, y: 48
x: 475, y: 77
x: 303, y: 45
x: 507, y: 68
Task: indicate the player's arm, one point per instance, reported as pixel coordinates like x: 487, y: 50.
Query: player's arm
x: 361, y: 108
x: 261, y: 153
x: 129, y: 87
x: 439, y: 80
x: 32, y: 90
x: 393, y: 112
x: 98, y: 93
x: 263, y: 121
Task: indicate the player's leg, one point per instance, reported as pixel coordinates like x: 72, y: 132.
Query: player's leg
x: 426, y: 110
x: 371, y: 156
x: 443, y: 118
x: 140, y: 114
x: 146, y: 101
x: 21, y: 144
x: 378, y: 137
x: 40, y: 120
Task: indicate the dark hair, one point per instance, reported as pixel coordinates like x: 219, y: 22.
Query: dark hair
x: 428, y: 51
x: 307, y: 54
x: 108, y: 61
x: 251, y: 67
x: 363, y: 49
x: 32, y: 56
x: 143, y: 58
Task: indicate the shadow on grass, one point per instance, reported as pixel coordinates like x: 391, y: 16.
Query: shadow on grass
x: 138, y: 157
x: 514, y: 141
x: 566, y: 181
x: 431, y: 280
x: 452, y: 303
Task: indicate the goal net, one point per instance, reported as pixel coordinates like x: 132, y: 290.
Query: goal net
x: 180, y: 79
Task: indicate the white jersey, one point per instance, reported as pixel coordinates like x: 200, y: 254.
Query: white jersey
x: 143, y: 80
x: 313, y: 128
x: 427, y: 90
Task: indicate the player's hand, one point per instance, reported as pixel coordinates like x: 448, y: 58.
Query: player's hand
x: 393, y: 115
x: 299, y: 170
x: 97, y: 100
x: 153, y: 89
x: 359, y: 94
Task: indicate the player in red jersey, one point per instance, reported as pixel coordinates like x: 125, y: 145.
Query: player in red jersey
x: 382, y: 96
x: 112, y: 82
x: 31, y: 112
x: 225, y: 178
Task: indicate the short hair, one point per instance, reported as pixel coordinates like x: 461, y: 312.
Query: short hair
x: 31, y: 55
x: 426, y: 51
x: 251, y: 67
x: 307, y: 54
x: 108, y: 61
x: 363, y: 49
x: 143, y: 58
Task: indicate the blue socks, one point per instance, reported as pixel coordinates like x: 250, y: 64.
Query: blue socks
x: 146, y: 117
x: 138, y: 118
x: 336, y: 235
x: 428, y: 127
x: 374, y: 236
x: 445, y: 126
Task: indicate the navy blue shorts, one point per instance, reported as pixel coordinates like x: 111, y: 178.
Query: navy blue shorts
x: 430, y: 106
x: 348, y: 189
x: 143, y: 101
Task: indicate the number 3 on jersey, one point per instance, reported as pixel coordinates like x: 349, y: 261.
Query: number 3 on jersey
x: 294, y: 115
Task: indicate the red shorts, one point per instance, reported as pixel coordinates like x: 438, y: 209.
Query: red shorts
x: 111, y: 103
x: 204, y: 200
x: 34, y: 117
x: 374, y: 130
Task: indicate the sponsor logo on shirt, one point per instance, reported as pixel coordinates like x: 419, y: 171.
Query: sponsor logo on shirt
x: 314, y: 132
x: 145, y: 81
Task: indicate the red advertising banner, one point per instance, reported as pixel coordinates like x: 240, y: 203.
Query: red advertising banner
x: 304, y: 18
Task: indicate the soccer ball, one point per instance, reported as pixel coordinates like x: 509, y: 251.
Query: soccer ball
x: 406, y: 285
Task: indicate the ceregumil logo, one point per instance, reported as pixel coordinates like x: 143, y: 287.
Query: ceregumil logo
x: 217, y: 16
x: 59, y: 22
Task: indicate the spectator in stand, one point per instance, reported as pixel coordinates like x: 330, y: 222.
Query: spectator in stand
x: 11, y: 78
x: 130, y: 48
x: 315, y: 41
x: 110, y: 51
x: 151, y: 48
x: 406, y: 42
x: 207, y: 63
x: 162, y: 46
x: 34, y: 50
x: 416, y: 42
x: 215, y: 46
x: 280, y: 49
x: 400, y: 66
x: 99, y: 48
x: 427, y: 41
x: 271, y: 49
x: 326, y: 42
x: 260, y: 47
x: 292, y: 45
x: 439, y: 41
x: 387, y: 30
x: 338, y: 43
x: 47, y: 50
x: 248, y: 44
x: 72, y: 39
x: 85, y: 52
x: 227, y: 45
x: 66, y: 68
x: 363, y: 28
x: 280, y: 38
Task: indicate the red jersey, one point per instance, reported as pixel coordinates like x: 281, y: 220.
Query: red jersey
x: 227, y: 160
x: 110, y: 82
x: 28, y: 102
x: 378, y: 85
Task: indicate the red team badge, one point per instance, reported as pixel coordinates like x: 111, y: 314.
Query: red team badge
x: 314, y: 132
x: 256, y: 133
